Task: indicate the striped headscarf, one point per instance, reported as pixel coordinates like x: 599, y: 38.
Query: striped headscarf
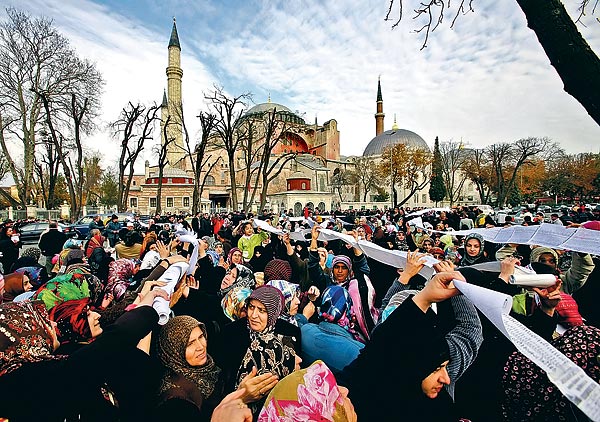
x: 289, y: 292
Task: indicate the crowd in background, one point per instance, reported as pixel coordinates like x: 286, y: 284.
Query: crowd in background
x: 260, y: 326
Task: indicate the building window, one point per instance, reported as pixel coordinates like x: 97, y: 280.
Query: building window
x: 134, y: 183
x: 222, y: 177
x: 133, y: 202
x: 169, y: 180
x: 424, y: 197
x: 210, y: 180
x: 303, y: 185
x: 152, y: 202
x: 186, y: 201
x: 169, y: 202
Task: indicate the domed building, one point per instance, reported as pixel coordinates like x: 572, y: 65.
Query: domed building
x: 393, y: 137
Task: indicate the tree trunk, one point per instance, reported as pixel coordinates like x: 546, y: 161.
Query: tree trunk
x: 233, y: 184
x: 575, y: 62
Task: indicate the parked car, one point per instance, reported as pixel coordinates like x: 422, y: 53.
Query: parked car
x: 82, y: 226
x: 31, y: 232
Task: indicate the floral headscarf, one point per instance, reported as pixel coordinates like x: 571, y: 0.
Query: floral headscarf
x: 235, y: 301
x: 310, y: 394
x: 529, y: 394
x: 120, y: 273
x: 71, y: 286
x: 289, y: 292
x: 172, y: 343
x: 24, y: 335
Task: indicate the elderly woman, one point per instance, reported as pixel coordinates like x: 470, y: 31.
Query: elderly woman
x: 255, y: 351
x: 77, y: 324
x: 83, y: 376
x: 190, y: 386
x: 474, y: 253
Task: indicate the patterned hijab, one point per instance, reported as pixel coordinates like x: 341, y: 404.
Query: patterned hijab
x: 289, y: 292
x: 24, y: 335
x: 529, y: 394
x: 71, y: 286
x: 71, y: 319
x: 234, y: 302
x: 120, y: 273
x: 34, y: 274
x: 347, y: 262
x: 267, y: 350
x: 310, y: 394
x: 32, y: 252
x: 336, y: 307
x: 95, y: 242
x: 245, y: 278
x: 172, y: 343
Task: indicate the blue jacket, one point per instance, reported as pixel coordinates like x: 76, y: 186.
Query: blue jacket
x: 329, y: 342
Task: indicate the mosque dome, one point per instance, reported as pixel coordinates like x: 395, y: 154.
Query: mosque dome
x: 288, y: 115
x: 392, y: 137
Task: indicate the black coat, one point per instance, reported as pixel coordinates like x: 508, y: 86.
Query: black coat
x: 52, y: 242
x: 55, y: 390
x: 234, y: 340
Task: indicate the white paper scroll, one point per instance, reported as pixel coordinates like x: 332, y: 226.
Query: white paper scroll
x: 534, y: 280
x: 570, y: 379
x: 171, y: 276
x: 426, y: 210
x: 263, y: 225
x: 549, y: 235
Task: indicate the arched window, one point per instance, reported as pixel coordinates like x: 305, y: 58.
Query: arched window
x: 210, y: 180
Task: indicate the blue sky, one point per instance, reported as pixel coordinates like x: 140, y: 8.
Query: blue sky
x: 487, y: 80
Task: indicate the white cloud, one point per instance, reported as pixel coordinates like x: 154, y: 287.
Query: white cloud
x: 486, y: 80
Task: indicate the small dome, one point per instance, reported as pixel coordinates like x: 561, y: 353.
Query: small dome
x: 393, y: 137
x: 285, y: 113
x: 261, y: 108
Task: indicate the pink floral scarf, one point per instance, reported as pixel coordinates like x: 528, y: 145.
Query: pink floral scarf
x: 307, y: 395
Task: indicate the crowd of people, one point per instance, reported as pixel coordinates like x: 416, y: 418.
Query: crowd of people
x: 234, y: 317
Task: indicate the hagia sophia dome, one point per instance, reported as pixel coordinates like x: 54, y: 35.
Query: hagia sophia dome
x: 262, y: 108
x: 393, y: 137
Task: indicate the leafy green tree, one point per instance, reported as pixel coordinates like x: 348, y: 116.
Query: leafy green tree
x: 437, y: 188
x: 109, y: 190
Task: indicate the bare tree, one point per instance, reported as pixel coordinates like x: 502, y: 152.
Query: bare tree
x: 47, y: 165
x: 133, y: 127
x: 162, y: 150
x: 275, y: 129
x: 570, y: 55
x: 201, y: 161
x: 35, y: 58
x: 340, y: 179
x: 454, y: 156
x: 366, y: 175
x: 477, y: 167
x: 228, y: 111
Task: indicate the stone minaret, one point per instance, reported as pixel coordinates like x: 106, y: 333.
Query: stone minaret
x: 379, y: 116
x: 172, y: 104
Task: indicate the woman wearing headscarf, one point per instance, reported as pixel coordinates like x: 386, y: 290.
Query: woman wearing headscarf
x: 333, y: 339
x: 190, y: 386
x: 474, y: 250
x: 260, y: 258
x: 235, y: 256
x: 433, y: 357
x: 77, y: 324
x: 255, y: 351
x: 291, y: 297
x: 352, y: 275
x: 29, y: 258
x: 234, y: 303
x: 9, y: 247
x: 80, y: 378
x: 16, y: 284
x: 311, y: 394
x: 70, y: 286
